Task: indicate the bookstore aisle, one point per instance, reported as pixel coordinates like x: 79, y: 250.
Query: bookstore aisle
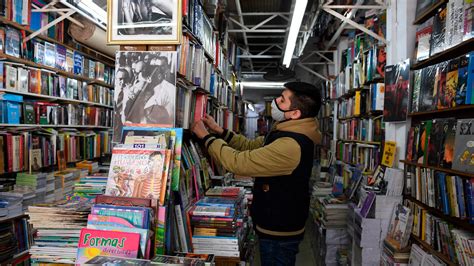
x: 109, y: 154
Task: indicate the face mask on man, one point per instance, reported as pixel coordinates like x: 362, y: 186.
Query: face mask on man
x: 277, y: 113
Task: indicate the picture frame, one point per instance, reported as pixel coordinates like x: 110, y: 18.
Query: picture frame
x: 145, y: 90
x: 144, y: 22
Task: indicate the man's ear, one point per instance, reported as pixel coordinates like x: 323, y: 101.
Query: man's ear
x: 295, y: 114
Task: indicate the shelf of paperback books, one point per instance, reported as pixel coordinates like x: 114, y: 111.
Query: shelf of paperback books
x: 445, y: 55
x: 427, y: 9
x: 59, y: 38
x: 54, y: 126
x: 444, y: 258
x: 458, y: 222
x: 53, y: 69
x: 441, y: 169
x: 55, y: 98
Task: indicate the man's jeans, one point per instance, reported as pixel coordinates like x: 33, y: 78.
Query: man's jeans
x: 278, y: 252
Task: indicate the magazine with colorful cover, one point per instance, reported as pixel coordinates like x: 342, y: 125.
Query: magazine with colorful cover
x: 98, y: 242
x: 163, y: 132
x: 136, y: 172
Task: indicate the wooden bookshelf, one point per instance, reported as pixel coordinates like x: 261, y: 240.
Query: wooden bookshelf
x: 15, y: 257
x: 445, y: 170
x: 52, y: 69
x: 5, y: 21
x: 429, y: 12
x: 53, y: 126
x: 448, y: 111
x: 54, y: 98
x: 453, y: 52
x: 427, y: 247
x: 454, y: 220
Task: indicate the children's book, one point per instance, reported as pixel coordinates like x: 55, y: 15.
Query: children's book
x: 106, y: 243
x: 144, y: 233
x: 136, y: 172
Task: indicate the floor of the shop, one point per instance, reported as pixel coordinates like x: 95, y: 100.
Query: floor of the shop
x: 305, y: 255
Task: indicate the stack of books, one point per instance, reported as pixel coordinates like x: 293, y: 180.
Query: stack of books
x: 10, y: 205
x: 58, y: 227
x: 330, y: 212
x: 36, y: 183
x: 90, y: 186
x: 217, y: 222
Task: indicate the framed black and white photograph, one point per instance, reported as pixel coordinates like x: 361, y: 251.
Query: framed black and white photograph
x: 145, y: 90
x: 144, y: 21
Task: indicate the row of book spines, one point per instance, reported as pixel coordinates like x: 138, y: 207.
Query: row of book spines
x: 445, y: 85
x: 360, y: 129
x: 18, y: 11
x: 45, y: 83
x: 452, y: 195
x: 442, y: 142
x: 441, y: 235
x: 363, y: 101
x: 15, y: 149
x: 450, y: 26
x: 54, y: 56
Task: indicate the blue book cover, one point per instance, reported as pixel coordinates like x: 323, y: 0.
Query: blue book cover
x: 442, y: 188
x: 462, y: 80
x: 460, y: 196
x: 78, y: 61
x: 469, y: 195
x: 470, y: 80
x: 35, y: 22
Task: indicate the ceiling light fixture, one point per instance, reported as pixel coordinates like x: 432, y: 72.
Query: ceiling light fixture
x: 296, y: 20
x: 262, y: 84
x: 89, y: 10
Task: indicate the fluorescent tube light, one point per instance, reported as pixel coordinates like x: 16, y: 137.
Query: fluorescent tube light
x: 296, y: 19
x: 262, y: 84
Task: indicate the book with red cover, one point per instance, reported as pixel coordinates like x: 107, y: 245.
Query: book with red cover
x: 99, y: 242
x: 200, y: 106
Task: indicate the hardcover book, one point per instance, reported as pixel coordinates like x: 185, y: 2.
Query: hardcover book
x: 78, y: 63
x: 464, y: 146
x: 397, y: 84
x: 98, y: 242
x: 439, y: 32
x: 49, y: 54
x: 436, y: 141
x: 35, y: 81
x: 439, y: 100
x: 426, y: 92
x: 60, y: 57
x: 463, y: 72
x: 450, y: 135
x: 39, y: 53
x: 423, y: 37
x: 69, y: 61
x: 12, y: 42
x: 415, y: 98
x: 23, y: 79
x: 11, y: 78
x: 451, y: 83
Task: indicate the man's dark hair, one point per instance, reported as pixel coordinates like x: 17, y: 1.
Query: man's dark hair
x: 306, y: 98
